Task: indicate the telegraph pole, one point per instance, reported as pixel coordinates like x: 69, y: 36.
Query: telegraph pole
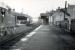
x: 65, y: 9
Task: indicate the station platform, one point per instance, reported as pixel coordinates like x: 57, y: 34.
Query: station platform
x: 45, y: 37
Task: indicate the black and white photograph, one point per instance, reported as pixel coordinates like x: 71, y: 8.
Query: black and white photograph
x: 37, y: 24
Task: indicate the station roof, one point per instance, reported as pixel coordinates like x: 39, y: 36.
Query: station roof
x: 63, y: 10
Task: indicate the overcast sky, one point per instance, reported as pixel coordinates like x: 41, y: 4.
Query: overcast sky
x: 35, y: 7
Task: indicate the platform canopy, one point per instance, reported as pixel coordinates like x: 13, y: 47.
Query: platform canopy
x: 44, y: 15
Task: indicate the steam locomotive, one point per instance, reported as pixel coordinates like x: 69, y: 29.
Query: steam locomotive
x: 9, y: 19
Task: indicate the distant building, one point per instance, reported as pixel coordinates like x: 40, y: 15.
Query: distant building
x: 9, y: 17
x: 44, y: 18
x: 65, y: 18
x: 71, y: 11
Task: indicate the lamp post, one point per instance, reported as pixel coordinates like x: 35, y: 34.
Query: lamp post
x: 65, y: 13
x: 65, y: 9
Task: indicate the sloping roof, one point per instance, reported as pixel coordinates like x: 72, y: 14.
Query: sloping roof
x: 20, y: 14
x: 63, y: 10
x: 71, y: 5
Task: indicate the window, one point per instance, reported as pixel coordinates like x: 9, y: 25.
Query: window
x: 21, y: 18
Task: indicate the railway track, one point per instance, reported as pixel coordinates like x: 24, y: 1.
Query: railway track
x: 13, y: 37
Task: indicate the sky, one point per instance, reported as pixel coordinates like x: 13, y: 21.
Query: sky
x: 35, y: 7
